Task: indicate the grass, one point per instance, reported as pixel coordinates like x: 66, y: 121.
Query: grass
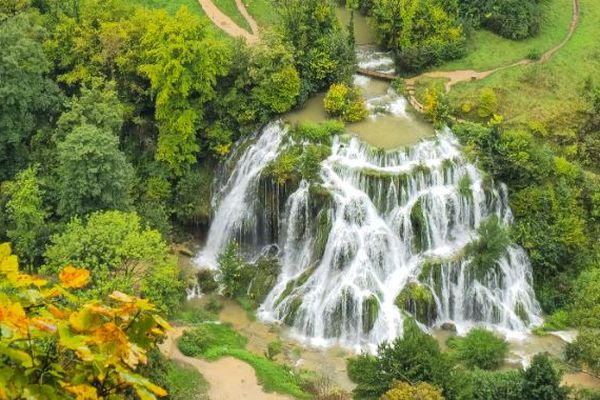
x: 172, y: 5
x: 421, y: 86
x: 486, y: 50
x: 263, y: 11
x: 547, y: 93
x: 185, y: 383
x: 229, y: 8
x: 213, y: 341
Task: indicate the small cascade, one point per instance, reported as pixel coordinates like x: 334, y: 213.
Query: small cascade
x: 382, y: 235
x: 237, y: 199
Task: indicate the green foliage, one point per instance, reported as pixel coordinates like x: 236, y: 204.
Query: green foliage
x: 121, y: 254
x: 185, y: 383
x: 182, y: 63
x: 97, y: 105
x: 26, y: 216
x: 193, y: 194
x: 542, y: 381
x: 273, y: 349
x: 345, y: 102
x: 197, y: 342
x: 418, y: 300
x: 28, y: 99
x: 435, y: 106
x: 420, y: 33
x: 230, y: 270
x: 318, y: 133
x: 323, y: 53
x: 488, y: 103
x: 495, y: 385
x: 484, y: 252
x: 585, y: 351
x: 92, y: 172
x: 586, y: 300
x: 260, y: 277
x: 479, y: 349
x: 416, y: 357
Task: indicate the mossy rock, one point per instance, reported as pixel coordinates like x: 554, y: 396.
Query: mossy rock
x: 292, y: 311
x: 418, y: 300
x: 265, y: 272
x: 522, y: 313
x: 370, y: 312
x: 419, y: 225
x: 291, y: 285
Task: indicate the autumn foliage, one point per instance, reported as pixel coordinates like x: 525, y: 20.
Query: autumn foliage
x: 54, y: 345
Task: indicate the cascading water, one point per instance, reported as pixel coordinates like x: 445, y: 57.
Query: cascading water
x: 382, y: 234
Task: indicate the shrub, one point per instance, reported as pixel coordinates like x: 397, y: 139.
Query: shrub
x: 198, y: 341
x: 488, y: 103
x: 585, y: 351
x: 230, y: 270
x: 435, y: 106
x: 420, y: 391
x: 345, y: 102
x: 485, y: 251
x: 273, y: 349
x: 479, y: 349
x: 415, y: 357
x: 542, y: 381
x: 496, y: 385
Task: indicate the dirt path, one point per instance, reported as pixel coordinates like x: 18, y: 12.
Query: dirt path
x: 229, y: 378
x: 223, y: 21
x: 455, y: 77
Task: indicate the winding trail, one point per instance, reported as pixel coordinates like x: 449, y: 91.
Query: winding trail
x: 228, y: 377
x: 459, y: 76
x: 226, y: 24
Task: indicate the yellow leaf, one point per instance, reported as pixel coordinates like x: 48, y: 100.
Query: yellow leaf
x: 83, y: 392
x: 13, y: 315
x: 71, y: 277
x: 120, y: 296
x: 43, y: 325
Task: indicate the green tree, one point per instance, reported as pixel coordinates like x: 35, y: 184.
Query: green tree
x: 586, y: 300
x: 230, y: 270
x: 415, y: 357
x: 97, y: 105
x: 419, y: 32
x: 488, y: 103
x: 121, y: 255
x: 346, y: 103
x: 182, y: 62
x: 321, y: 47
x: 27, y: 217
x: 479, y: 349
x: 92, y: 172
x: 542, y: 381
x: 585, y: 351
x: 28, y: 98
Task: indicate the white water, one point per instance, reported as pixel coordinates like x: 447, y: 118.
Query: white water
x: 370, y: 253
x: 237, y: 195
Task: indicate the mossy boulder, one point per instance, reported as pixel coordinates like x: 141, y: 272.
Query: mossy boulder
x: 370, y: 312
x: 417, y: 299
x: 264, y: 273
x: 419, y: 225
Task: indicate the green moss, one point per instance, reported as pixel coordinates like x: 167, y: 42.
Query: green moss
x: 317, y: 133
x: 284, y: 168
x: 522, y: 313
x: 370, y: 312
x: 419, y: 224
x: 323, y: 225
x: 485, y: 251
x: 418, y: 300
x: 264, y: 276
x: 292, y: 311
x: 464, y: 186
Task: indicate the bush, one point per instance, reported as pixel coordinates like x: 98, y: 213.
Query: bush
x: 479, y: 349
x: 496, y: 385
x: 346, y: 103
x: 230, y: 270
x: 273, y: 349
x: 198, y: 341
x: 585, y: 351
x: 491, y: 244
x: 542, y: 382
x: 416, y: 357
x: 488, y: 103
x: 420, y: 391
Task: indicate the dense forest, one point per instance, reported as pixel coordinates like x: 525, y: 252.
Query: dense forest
x: 116, y: 118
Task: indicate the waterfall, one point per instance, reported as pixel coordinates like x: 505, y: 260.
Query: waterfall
x: 383, y: 235
x: 237, y: 200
